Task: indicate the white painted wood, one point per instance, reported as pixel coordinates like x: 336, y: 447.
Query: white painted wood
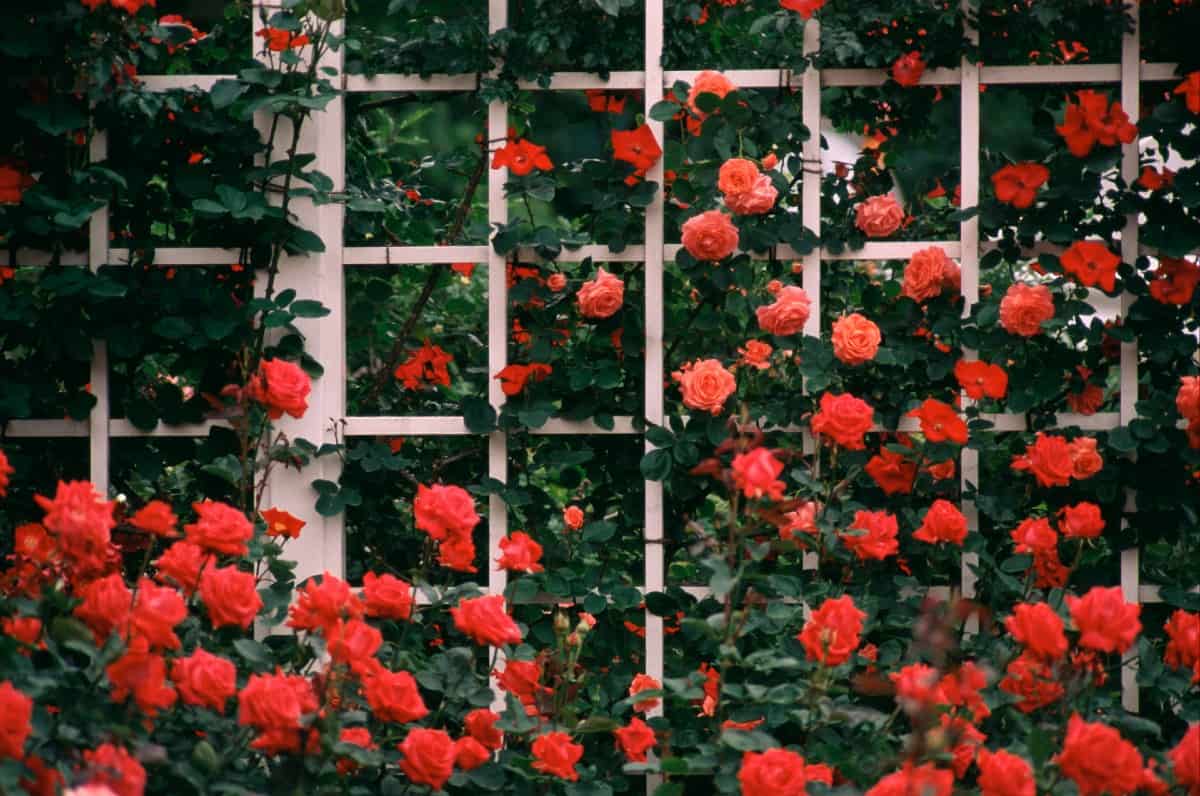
x: 810, y: 201
x: 98, y: 237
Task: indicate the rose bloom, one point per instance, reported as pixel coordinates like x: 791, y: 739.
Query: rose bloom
x: 756, y: 354
x: 387, y: 597
x: 709, y: 236
x: 872, y: 535
x: 281, y: 387
x: 1174, y: 281
x: 1049, y: 459
x: 428, y: 757
x: 182, y: 563
x: 443, y: 511
x: 480, y: 725
x: 1187, y: 399
x: 1106, y: 622
x: 637, y: 147
x: 156, y: 612
x: 6, y: 470
x: 706, y: 385
x: 1002, y: 773
x: 635, y: 740
x: 16, y: 715
x: 1183, y: 645
x: 230, y: 596
x: 922, y: 780
x: 892, y: 472
x: 105, y: 606
x: 757, y: 201
x: 204, y: 679
x: 802, y: 520
x: 393, y: 696
x: 281, y: 523
x: 805, y: 8
x: 1032, y: 679
x: 775, y: 772
x: 1185, y: 759
x: 1025, y: 308
x: 1017, y: 183
x: 155, y: 518
x: 1091, y: 120
x: 736, y: 176
x: 485, y: 621
x: 844, y: 419
x: 708, y: 82
x: 1034, y: 535
x: 788, y: 314
x: 979, y: 379
x: 573, y: 517
x: 1039, y: 629
x: 556, y: 282
x: 907, y: 69
x: 114, y: 768
x: 644, y: 682
x: 1081, y: 521
x: 81, y: 522
x: 354, y: 643
x: 1098, y: 760
x: 273, y: 704
x: 553, y: 753
x: 322, y: 603
x: 470, y: 754
x: 879, y: 216
x: 1091, y: 263
x: 1085, y: 458
x: 942, y: 523
x: 855, y: 339
x: 832, y: 632
x: 756, y: 473
x: 925, y: 274
x: 940, y: 423
x: 519, y: 553
x: 522, y: 157
x: 601, y: 297
x: 220, y: 528
x: 520, y: 678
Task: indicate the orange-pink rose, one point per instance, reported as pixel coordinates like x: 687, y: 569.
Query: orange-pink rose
x: 756, y: 201
x: 788, y: 314
x: 710, y: 236
x: 1025, y: 308
x: 926, y: 273
x: 879, y: 216
x: 706, y: 385
x: 855, y: 339
x: 601, y: 297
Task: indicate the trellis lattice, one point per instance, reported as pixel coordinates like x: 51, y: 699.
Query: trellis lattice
x: 322, y: 276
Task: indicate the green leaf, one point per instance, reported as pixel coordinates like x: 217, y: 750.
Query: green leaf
x: 1121, y: 440
x: 479, y: 415
x: 664, y: 110
x: 308, y: 308
x: 254, y: 653
x: 225, y: 92
x: 656, y: 465
x: 599, y: 531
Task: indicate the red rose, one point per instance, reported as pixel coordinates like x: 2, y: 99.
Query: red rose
x: 573, y: 517
x: 457, y: 553
x: 1099, y: 760
x: 756, y: 473
x: 872, y: 535
x: 925, y: 274
x: 321, y: 604
x: 519, y: 553
x: 25, y: 629
x: 280, y: 523
x: 637, y: 147
x: 832, y: 633
x: 480, y: 724
x: 1034, y: 535
x: 485, y: 621
x: 1091, y: 263
x: 844, y: 419
x: 644, y: 682
x: 635, y: 740
x: 709, y: 236
x: 394, y: 696
x: 1025, y: 308
x: 81, y: 522
x: 444, y: 511
x: 601, y: 297
x: 1081, y: 521
x: 1017, y: 183
x: 281, y: 387
x: 387, y: 597
x: 16, y: 715
x: 979, y: 379
x: 553, y: 753
x: 156, y: 612
x: 909, y: 781
x: 204, y: 679
x: 1039, y: 629
x: 805, y: 8
x: 556, y: 281
x: 918, y: 687
x: 788, y: 314
x: 1105, y: 621
x: 220, y: 528
x: 706, y: 385
x: 879, y: 216
x: 940, y: 423
x: 944, y: 522
x: 1002, y: 773
x: 1185, y: 759
x: 1174, y: 281
x: 278, y: 40
x: 470, y: 754
x: 13, y: 182
x: 775, y: 772
x: 1187, y: 399
x: 230, y: 596
x: 892, y: 472
x: 114, y: 768
x: 273, y: 704
x: 855, y: 339
x: 1183, y: 645
x: 1050, y: 460
x: 355, y: 736
x: 428, y: 757
x: 1093, y: 121
x: 1085, y: 459
x: 6, y: 470
x: 1032, y: 679
x: 182, y: 563
x: 157, y: 518
x: 522, y: 157
x: 105, y: 606
x: 907, y: 69
x: 354, y: 643
x: 143, y: 674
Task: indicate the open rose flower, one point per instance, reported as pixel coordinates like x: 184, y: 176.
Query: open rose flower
x: 855, y: 338
x: 788, y: 314
x: 706, y: 385
x: 879, y: 216
x: 601, y: 297
x: 709, y: 236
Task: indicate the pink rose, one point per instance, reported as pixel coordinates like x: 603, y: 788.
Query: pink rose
x: 879, y: 216
x: 758, y: 200
x: 926, y: 274
x: 706, y: 385
x: 855, y: 339
x: 787, y: 315
x: 601, y: 297
x: 1025, y: 308
x: 710, y: 236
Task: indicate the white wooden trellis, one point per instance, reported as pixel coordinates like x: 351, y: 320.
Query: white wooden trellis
x: 320, y: 547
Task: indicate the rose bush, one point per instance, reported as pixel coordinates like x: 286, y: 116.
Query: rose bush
x: 159, y: 642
